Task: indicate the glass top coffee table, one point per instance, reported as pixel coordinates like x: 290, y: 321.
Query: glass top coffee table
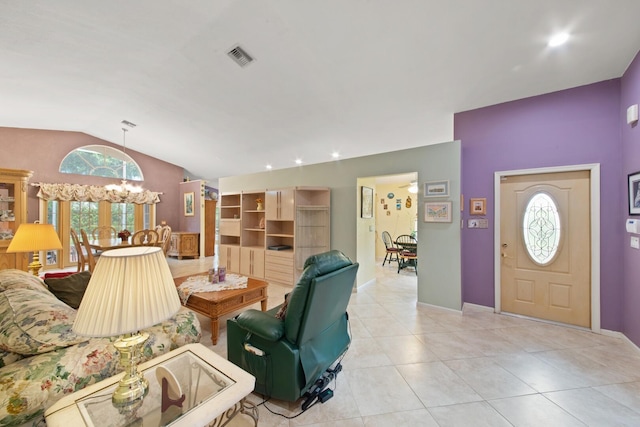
x: 213, y: 389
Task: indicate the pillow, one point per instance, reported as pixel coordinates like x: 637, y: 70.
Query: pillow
x: 282, y: 312
x: 58, y: 275
x: 13, y: 279
x: 33, y: 322
x: 69, y: 289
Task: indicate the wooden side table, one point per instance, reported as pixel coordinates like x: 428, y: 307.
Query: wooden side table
x: 184, y: 244
x: 214, y: 390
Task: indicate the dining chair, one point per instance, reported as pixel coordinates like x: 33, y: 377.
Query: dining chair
x: 407, y: 252
x: 104, y: 232
x: 146, y: 237
x: 83, y: 263
x: 91, y: 256
x: 165, y: 238
x: 392, y: 250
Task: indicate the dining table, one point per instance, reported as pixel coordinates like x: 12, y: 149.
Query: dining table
x: 108, y: 243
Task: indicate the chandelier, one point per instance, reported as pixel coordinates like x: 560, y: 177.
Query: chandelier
x: 123, y: 189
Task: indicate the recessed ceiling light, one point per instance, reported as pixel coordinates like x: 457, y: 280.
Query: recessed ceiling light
x: 298, y: 161
x: 269, y: 167
x: 335, y: 154
x: 558, y: 39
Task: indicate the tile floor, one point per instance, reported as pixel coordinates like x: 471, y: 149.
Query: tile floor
x: 414, y: 365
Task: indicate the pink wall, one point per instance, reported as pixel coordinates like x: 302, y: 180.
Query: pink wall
x: 190, y: 223
x: 41, y: 151
x: 630, y: 89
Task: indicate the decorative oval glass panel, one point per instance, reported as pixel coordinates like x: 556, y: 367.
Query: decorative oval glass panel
x: 541, y: 228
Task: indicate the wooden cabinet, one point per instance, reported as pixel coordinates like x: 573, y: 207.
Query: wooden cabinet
x: 209, y: 227
x: 184, y: 244
x: 230, y: 232
x: 280, y: 204
x: 274, y: 242
x: 13, y: 212
x: 229, y: 257
x: 252, y: 262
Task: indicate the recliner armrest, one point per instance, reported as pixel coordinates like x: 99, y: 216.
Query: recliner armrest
x: 261, y: 323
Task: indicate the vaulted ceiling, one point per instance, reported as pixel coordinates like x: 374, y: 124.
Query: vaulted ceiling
x: 353, y: 76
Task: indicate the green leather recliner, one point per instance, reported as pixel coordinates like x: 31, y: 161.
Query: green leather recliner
x: 288, y: 356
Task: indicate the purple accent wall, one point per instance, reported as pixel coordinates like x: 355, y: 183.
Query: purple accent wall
x: 630, y: 94
x: 41, y: 151
x: 574, y: 126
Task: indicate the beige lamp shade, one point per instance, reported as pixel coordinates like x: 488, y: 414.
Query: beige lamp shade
x: 130, y: 289
x: 32, y: 237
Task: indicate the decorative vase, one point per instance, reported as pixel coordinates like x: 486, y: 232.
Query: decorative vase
x: 259, y: 206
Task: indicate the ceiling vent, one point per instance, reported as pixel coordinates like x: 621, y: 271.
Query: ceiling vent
x: 241, y: 57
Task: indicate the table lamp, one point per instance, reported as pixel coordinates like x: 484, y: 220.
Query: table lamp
x: 130, y: 289
x: 34, y: 237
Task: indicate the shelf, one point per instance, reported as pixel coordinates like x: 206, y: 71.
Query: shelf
x: 280, y: 235
x: 230, y: 207
x: 254, y: 210
x: 254, y: 229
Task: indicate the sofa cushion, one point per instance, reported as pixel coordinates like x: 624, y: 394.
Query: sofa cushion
x: 13, y: 279
x: 7, y: 358
x: 32, y: 322
x: 69, y: 289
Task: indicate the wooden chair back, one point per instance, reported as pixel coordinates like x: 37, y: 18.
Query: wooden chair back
x: 105, y: 232
x: 146, y: 237
x: 91, y: 257
x: 165, y: 238
x: 80, y: 251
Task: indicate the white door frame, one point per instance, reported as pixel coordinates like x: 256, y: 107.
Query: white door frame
x: 594, y: 180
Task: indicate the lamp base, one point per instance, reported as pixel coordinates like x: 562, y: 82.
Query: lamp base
x: 133, y: 387
x: 35, y: 265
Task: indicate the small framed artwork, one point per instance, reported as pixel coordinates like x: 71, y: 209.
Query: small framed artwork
x: 478, y: 206
x: 437, y: 212
x: 634, y: 193
x: 188, y: 204
x: 436, y: 189
x: 366, y: 202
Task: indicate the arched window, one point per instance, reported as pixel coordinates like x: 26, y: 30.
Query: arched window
x: 100, y: 160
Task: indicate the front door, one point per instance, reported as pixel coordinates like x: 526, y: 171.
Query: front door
x: 546, y: 246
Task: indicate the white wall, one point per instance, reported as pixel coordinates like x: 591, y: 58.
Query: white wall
x: 439, y: 275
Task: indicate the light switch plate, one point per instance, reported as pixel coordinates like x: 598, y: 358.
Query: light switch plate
x: 635, y: 242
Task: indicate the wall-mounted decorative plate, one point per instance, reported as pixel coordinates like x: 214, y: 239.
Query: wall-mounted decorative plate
x: 390, y: 196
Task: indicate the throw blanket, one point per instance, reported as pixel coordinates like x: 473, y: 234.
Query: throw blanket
x: 195, y: 284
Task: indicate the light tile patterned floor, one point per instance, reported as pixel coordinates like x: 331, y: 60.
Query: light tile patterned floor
x: 414, y: 365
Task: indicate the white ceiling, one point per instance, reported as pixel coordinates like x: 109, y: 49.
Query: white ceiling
x: 356, y: 76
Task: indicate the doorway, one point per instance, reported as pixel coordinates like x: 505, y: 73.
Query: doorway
x: 547, y: 244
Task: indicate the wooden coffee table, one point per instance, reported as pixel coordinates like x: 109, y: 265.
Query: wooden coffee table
x: 217, y: 304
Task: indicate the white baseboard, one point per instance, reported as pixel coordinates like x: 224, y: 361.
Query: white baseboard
x: 424, y: 304
x: 478, y: 307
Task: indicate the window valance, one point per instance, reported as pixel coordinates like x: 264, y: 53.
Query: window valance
x: 93, y: 193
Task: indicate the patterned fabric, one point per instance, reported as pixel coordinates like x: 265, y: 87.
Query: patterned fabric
x: 33, y: 322
x: 29, y: 386
x: 13, y: 279
x: 7, y: 358
x: 195, y: 284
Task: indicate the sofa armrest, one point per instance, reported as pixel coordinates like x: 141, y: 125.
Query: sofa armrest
x: 261, y: 323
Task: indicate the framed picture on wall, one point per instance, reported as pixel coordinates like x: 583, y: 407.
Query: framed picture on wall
x: 366, y: 202
x: 188, y: 204
x: 437, y: 212
x: 436, y: 189
x: 634, y: 193
x: 478, y: 206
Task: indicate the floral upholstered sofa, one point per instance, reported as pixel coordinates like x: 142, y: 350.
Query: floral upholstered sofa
x: 41, y: 359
